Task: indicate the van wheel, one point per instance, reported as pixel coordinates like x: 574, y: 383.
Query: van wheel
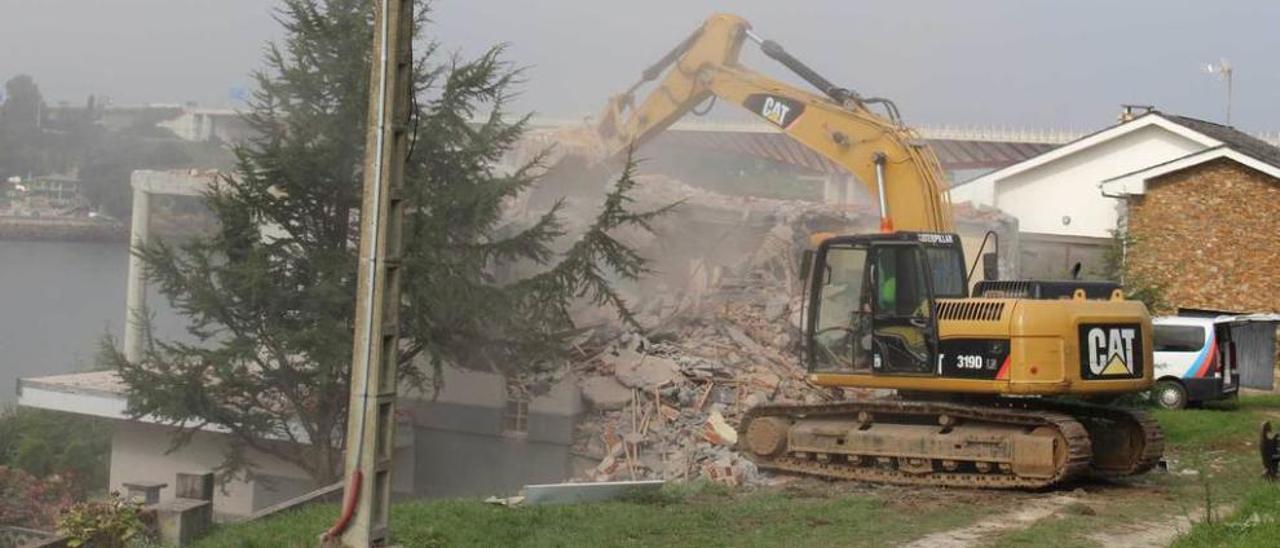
x: 1170, y: 395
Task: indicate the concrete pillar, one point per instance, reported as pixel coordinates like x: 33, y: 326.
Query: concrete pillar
x: 833, y: 190
x: 850, y: 190
x: 136, y: 294
x: 146, y: 492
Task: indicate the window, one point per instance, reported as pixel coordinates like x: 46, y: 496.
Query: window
x: 840, y: 310
x: 1179, y: 338
x: 900, y: 283
x: 515, y: 416
x: 946, y: 264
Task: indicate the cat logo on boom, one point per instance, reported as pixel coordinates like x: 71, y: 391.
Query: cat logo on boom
x: 1110, y: 351
x: 780, y: 111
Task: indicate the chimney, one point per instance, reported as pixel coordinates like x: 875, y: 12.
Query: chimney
x: 1130, y: 112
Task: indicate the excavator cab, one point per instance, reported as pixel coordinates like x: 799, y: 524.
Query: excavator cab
x: 871, y: 301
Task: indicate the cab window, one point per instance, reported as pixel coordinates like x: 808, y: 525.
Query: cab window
x: 946, y: 265
x: 1179, y: 338
x: 900, y: 283
x: 843, y: 311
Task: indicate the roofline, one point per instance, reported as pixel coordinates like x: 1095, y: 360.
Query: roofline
x: 81, y: 401
x: 107, y: 404
x: 1106, y: 134
x: 1124, y: 185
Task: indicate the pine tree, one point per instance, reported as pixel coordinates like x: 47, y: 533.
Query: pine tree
x: 270, y: 295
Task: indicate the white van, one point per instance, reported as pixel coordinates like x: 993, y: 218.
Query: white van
x: 1195, y: 361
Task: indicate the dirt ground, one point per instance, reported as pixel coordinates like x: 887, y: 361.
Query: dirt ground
x: 1151, y: 510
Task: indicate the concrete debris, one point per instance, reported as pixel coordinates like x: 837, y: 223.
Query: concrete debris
x: 605, y: 393
x: 718, y: 431
x: 718, y: 333
x: 505, y: 501
x: 643, y: 371
x: 566, y: 493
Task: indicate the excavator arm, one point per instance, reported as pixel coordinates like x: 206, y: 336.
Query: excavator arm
x: 889, y: 159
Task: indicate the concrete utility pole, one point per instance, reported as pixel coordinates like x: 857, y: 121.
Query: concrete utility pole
x: 371, y: 421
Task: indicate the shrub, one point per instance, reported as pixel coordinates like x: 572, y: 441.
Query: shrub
x: 45, y: 443
x: 29, y: 501
x: 111, y: 523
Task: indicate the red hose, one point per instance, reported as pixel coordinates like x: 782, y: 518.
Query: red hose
x: 348, y: 507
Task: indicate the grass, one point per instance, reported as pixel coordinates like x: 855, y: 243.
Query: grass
x: 1064, y: 529
x: 1255, y: 523
x: 1256, y: 520
x: 681, y: 517
x: 1212, y: 455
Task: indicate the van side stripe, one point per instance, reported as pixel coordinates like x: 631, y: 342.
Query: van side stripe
x: 1200, y: 366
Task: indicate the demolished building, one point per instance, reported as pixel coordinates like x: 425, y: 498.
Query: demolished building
x: 718, y: 321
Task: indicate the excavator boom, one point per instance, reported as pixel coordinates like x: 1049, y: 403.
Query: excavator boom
x: 889, y: 159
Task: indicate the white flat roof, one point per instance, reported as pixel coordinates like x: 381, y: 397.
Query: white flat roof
x: 102, y: 394
x: 98, y: 394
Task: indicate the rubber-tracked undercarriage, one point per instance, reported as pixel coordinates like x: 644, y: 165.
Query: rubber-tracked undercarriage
x: 1008, y: 443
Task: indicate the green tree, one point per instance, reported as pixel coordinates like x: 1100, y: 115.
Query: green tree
x: 22, y: 105
x: 1137, y: 287
x: 21, y: 140
x: 47, y: 443
x: 270, y: 295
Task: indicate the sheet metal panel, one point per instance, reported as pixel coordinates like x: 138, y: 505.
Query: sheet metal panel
x: 1255, y: 344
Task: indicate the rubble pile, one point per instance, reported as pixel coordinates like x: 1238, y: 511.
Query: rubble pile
x: 718, y: 333
x: 669, y: 410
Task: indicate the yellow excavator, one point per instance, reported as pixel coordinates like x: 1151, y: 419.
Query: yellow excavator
x: 993, y: 383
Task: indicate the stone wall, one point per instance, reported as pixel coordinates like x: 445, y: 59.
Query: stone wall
x: 1210, y: 234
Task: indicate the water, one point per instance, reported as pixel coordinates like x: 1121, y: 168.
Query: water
x: 57, y: 300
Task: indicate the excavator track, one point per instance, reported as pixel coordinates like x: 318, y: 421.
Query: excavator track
x: 1089, y: 441
x: 1126, y: 442
x: 922, y: 443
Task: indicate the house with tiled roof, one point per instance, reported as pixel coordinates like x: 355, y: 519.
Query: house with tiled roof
x: 1070, y: 201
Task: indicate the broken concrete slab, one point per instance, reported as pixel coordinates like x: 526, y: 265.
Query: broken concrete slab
x: 718, y: 431
x: 505, y: 501
x: 648, y: 372
x: 743, y: 340
x: 568, y: 493
x: 605, y: 393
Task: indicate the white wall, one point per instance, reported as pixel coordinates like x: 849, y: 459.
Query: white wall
x: 468, y: 387
x: 980, y: 192
x: 138, y: 453
x: 1040, y: 197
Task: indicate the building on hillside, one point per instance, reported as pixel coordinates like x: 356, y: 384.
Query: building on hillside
x: 208, y: 124
x: 1057, y: 199
x: 44, y: 195
x: 474, y: 438
x: 1205, y: 227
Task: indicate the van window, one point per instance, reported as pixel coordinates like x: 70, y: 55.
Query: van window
x: 1179, y: 338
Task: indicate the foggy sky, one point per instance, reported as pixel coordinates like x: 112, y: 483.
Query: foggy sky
x: 1066, y: 64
